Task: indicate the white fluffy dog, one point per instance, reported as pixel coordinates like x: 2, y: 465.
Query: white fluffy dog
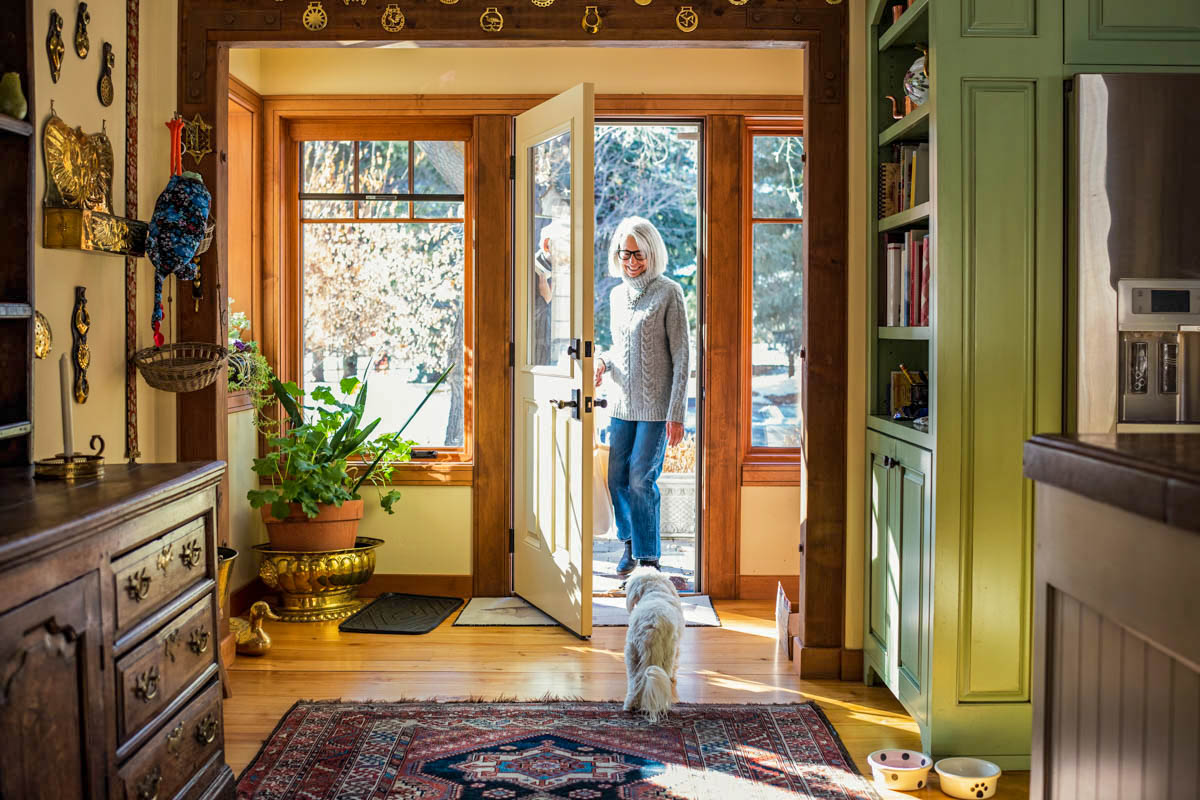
x: 652, y: 642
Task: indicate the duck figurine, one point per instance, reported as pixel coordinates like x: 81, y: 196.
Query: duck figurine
x: 251, y: 639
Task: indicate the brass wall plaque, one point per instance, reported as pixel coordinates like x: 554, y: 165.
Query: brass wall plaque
x: 392, y: 19
x: 95, y: 231
x: 687, y: 20
x: 591, y: 20
x: 197, y: 138
x: 104, y: 88
x: 81, y: 356
x: 55, y: 49
x: 82, y: 18
x: 491, y: 20
x: 315, y: 18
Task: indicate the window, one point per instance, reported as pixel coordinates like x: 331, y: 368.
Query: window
x: 385, y: 279
x: 773, y: 259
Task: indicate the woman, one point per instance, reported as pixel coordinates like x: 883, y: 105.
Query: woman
x: 647, y: 369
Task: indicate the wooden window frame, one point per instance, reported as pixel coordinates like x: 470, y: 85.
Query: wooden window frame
x: 760, y: 466
x: 450, y: 466
x: 252, y: 102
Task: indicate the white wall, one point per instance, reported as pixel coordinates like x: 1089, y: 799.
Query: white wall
x: 58, y: 272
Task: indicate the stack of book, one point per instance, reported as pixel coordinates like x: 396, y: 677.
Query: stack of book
x: 907, y: 268
x: 904, y: 182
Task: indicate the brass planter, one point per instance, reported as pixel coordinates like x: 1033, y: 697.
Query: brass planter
x: 318, y: 586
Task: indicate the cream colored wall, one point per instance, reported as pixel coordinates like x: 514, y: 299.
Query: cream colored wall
x: 58, y: 272
x: 771, y: 518
x: 520, y: 70
x: 246, y: 64
x: 856, y: 321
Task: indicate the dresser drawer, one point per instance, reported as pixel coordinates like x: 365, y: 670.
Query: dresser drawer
x: 150, y: 675
x: 185, y: 745
x: 158, y: 570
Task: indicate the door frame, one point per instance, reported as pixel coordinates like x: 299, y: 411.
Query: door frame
x: 207, y: 28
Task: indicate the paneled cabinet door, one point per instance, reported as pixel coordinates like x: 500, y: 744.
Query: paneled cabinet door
x: 883, y: 556
x: 51, y: 712
x: 911, y: 497
x: 1123, y: 32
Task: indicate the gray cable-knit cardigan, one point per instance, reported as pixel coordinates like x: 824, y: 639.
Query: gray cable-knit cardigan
x: 646, y: 370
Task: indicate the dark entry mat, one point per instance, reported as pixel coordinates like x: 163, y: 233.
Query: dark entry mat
x: 401, y: 613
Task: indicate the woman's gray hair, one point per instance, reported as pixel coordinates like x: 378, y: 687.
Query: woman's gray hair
x: 649, y: 241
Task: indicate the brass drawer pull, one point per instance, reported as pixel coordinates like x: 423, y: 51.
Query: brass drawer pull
x: 138, y: 585
x: 206, y: 729
x: 198, y: 641
x: 147, y: 787
x: 146, y: 685
x: 164, y: 557
x: 175, y: 739
x: 190, y: 553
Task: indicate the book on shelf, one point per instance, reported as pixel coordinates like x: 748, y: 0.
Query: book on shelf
x: 889, y: 193
x: 924, y: 316
x: 894, y: 247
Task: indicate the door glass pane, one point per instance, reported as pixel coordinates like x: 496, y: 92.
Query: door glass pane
x: 778, y: 331
x: 392, y: 292
x: 550, y: 261
x: 778, y: 177
x: 383, y: 168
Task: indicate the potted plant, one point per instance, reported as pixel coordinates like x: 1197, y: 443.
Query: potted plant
x: 319, y: 462
x: 248, y: 368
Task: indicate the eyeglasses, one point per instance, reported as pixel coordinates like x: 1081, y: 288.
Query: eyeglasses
x: 636, y: 255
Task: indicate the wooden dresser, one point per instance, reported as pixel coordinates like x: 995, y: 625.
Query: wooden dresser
x: 1117, y: 624
x: 109, y: 682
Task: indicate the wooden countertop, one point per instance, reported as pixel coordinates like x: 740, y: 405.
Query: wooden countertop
x: 1154, y: 475
x: 37, y: 515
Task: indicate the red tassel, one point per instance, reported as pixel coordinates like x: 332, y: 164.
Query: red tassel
x: 159, y: 339
x: 176, y: 128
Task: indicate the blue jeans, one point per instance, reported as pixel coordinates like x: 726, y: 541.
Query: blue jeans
x: 635, y: 460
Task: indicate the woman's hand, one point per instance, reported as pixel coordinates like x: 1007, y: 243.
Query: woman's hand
x: 674, y: 433
x: 600, y: 369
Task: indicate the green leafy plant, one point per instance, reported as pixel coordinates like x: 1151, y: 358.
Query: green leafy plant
x: 311, y: 459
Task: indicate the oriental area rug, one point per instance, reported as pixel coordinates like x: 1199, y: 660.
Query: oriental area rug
x: 551, y: 751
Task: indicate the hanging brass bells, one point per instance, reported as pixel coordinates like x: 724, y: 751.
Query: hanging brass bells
x: 315, y: 18
x: 392, y: 19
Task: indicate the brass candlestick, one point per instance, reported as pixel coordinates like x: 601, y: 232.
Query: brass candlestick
x: 73, y: 467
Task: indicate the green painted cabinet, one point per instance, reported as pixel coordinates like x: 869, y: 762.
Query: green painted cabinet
x: 1125, y: 32
x: 898, y: 570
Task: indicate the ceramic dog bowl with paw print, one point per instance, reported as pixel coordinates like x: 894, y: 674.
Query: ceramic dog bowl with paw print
x: 968, y: 778
x: 902, y: 770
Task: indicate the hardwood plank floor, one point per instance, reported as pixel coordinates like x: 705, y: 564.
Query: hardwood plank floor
x: 736, y: 663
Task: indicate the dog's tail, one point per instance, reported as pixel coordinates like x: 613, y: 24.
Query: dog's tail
x: 657, y: 693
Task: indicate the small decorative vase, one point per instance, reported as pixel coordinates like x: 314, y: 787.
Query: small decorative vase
x: 12, y: 99
x: 916, y: 82
x: 334, y: 528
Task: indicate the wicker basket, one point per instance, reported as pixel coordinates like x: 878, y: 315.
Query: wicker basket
x: 181, y: 367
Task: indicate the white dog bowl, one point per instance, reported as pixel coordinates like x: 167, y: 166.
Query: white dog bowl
x: 903, y: 770
x: 968, y: 778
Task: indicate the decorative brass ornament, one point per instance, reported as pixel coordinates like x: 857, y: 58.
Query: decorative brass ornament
x: 251, y: 639
x: 687, y: 20
x: 145, y: 687
x: 81, y: 356
x: 348, y: 2
x: 43, y: 337
x: 739, y: 2
x: 206, y: 729
x: 104, y: 89
x: 642, y: 2
x: 591, y: 20
x: 175, y: 739
x: 197, y: 136
x: 448, y: 2
x: 190, y: 554
x: 55, y: 48
x: 82, y: 18
x: 315, y: 18
x: 318, y: 586
x: 543, y: 3
x: 164, y: 557
x: 77, y: 206
x: 392, y: 19
x: 147, y: 787
x: 170, y: 643
x: 79, y: 465
x: 491, y: 20
x: 834, y: 2
x: 198, y: 641
x: 137, y: 586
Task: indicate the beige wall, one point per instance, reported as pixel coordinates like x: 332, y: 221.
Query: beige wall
x: 518, y: 70
x: 58, y: 272
x: 771, y: 518
x: 856, y: 321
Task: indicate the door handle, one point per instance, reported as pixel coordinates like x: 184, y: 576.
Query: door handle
x: 560, y: 404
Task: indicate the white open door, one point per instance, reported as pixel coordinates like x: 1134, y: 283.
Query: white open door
x: 552, y: 464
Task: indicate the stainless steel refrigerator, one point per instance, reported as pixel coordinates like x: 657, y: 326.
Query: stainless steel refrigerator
x: 1134, y: 284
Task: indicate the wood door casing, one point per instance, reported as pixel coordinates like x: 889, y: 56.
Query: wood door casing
x: 51, y: 703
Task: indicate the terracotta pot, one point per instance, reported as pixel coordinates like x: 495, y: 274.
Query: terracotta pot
x: 334, y: 528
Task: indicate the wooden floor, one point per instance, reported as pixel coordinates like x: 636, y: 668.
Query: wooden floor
x: 738, y: 662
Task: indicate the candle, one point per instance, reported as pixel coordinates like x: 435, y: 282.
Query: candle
x: 64, y: 378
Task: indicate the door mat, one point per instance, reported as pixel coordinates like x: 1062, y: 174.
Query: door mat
x: 401, y: 613
x: 698, y: 612
x: 552, y: 751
